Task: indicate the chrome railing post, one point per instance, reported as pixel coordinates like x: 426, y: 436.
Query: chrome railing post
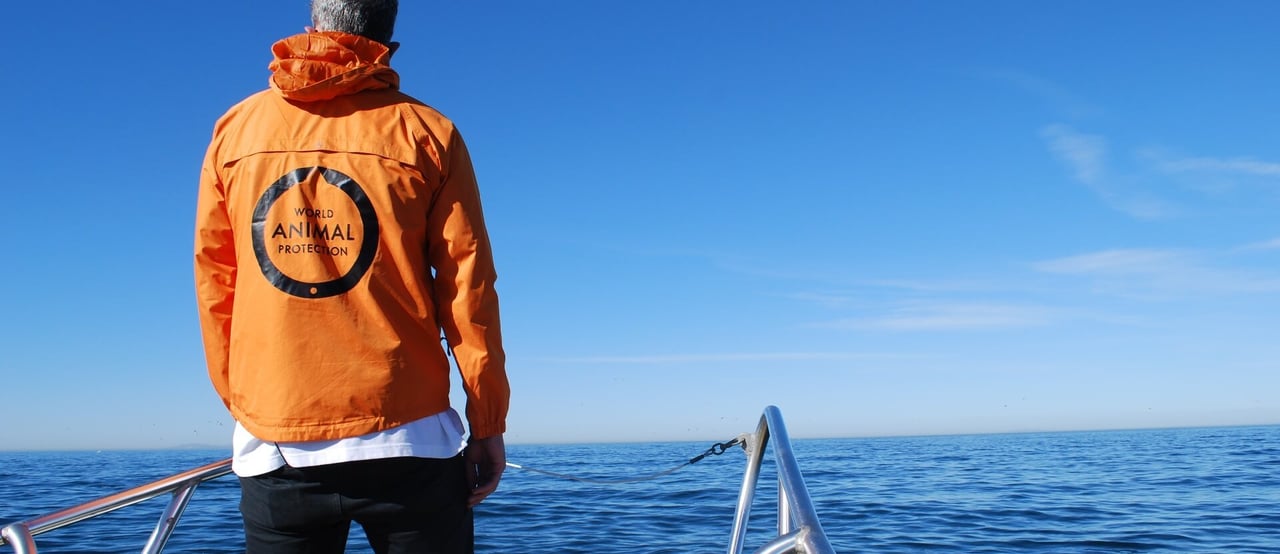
x: 785, y: 524
x: 19, y: 536
x: 781, y: 545
x: 798, y: 527
x: 792, y: 480
x: 755, y: 446
x: 169, y: 519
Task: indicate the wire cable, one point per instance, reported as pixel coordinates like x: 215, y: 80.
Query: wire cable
x: 715, y: 450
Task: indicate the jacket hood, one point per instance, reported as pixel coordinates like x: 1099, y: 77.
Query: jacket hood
x: 319, y: 66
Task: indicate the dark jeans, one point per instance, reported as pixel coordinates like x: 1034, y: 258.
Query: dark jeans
x: 405, y: 505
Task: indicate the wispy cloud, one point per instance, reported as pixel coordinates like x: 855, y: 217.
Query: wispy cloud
x: 1272, y: 244
x: 933, y: 285
x: 1152, y: 184
x: 1241, y: 166
x: 1056, y: 96
x: 928, y: 316
x: 1118, y: 262
x: 1086, y: 155
x: 861, y: 292
x: 720, y: 357
x: 1218, y: 178
x: 824, y: 299
x: 1160, y: 274
x: 1025, y: 301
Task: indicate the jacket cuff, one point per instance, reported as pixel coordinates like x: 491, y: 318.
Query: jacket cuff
x: 486, y: 429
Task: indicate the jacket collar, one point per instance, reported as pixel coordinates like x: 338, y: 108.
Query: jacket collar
x: 322, y: 65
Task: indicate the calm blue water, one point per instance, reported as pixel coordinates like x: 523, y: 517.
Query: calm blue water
x: 1186, y: 490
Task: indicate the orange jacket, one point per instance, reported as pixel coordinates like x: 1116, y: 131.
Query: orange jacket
x: 338, y: 230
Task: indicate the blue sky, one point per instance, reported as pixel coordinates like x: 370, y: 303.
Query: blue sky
x: 884, y: 217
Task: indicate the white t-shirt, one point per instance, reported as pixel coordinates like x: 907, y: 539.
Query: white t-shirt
x: 434, y: 436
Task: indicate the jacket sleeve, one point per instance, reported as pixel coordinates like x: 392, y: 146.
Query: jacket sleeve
x: 466, y: 301
x: 215, y: 274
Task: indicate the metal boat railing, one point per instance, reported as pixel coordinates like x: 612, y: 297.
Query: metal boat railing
x: 21, y: 535
x: 798, y: 527
x: 799, y: 530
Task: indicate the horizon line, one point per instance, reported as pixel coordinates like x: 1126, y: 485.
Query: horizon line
x: 795, y: 437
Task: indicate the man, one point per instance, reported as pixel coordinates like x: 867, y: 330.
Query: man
x: 338, y: 232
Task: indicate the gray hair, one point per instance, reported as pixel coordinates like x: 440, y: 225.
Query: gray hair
x: 372, y: 19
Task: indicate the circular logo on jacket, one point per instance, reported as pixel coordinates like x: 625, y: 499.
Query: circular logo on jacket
x: 315, y: 233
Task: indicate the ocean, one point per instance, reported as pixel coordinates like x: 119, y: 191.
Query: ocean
x: 1174, y: 490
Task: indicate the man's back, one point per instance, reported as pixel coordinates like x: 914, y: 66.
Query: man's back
x: 334, y: 197
x: 338, y: 233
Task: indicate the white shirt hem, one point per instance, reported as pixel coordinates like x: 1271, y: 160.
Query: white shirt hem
x: 436, y: 436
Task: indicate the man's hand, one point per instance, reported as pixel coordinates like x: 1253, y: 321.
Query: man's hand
x: 486, y: 460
